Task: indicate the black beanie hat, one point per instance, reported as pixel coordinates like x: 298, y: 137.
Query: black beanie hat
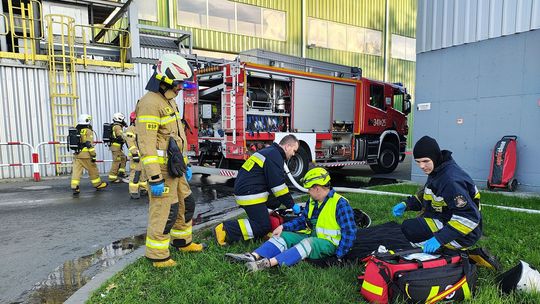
x: 428, y: 147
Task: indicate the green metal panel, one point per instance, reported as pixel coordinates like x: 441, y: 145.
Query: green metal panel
x: 235, y: 43
x: 372, y: 66
x: 362, y: 13
x: 403, y: 17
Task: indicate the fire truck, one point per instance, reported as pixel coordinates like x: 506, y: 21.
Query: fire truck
x: 340, y: 118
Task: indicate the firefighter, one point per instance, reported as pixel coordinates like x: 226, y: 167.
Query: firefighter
x: 326, y: 227
x: 86, y: 157
x: 118, y: 166
x: 449, y: 199
x: 160, y: 140
x: 137, y: 179
x: 260, y: 175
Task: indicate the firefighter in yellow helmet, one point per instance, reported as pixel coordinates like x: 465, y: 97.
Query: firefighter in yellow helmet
x: 85, y: 156
x: 118, y: 166
x: 161, y: 145
x: 137, y: 179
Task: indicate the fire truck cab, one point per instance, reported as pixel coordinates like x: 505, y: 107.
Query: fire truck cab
x: 339, y: 117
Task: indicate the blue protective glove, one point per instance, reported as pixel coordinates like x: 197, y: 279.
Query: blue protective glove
x: 189, y: 173
x: 157, y: 189
x: 296, y: 209
x: 431, y: 245
x: 399, y: 209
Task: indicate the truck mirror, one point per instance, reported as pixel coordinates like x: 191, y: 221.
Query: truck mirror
x: 407, y: 104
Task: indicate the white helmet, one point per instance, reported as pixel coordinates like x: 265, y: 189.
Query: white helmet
x: 522, y: 277
x: 173, y: 68
x: 118, y: 117
x: 84, y: 119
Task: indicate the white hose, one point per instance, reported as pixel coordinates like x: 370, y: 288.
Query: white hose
x: 339, y: 189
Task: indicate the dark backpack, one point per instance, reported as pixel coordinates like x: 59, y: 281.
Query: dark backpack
x: 107, y: 133
x: 74, y: 140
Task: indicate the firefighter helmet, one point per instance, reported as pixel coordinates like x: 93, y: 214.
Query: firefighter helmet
x: 118, y: 117
x: 84, y: 119
x: 316, y: 176
x: 173, y: 69
x: 132, y: 117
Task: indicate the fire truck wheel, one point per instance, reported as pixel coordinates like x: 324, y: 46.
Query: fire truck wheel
x: 388, y: 159
x: 299, y: 163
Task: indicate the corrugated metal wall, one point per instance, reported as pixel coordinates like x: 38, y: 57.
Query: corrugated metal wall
x: 446, y: 23
x: 25, y: 111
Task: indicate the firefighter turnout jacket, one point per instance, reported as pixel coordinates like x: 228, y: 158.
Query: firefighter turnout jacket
x: 131, y: 141
x: 117, y: 139
x: 157, y: 121
x: 451, y: 203
x: 261, y: 175
x: 87, y: 142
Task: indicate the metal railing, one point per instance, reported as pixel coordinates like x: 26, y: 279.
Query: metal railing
x: 26, y: 23
x: 86, y: 39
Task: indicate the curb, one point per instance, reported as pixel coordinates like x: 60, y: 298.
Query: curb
x: 83, y: 293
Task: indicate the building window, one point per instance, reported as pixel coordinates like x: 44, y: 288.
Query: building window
x: 192, y: 13
x: 148, y: 10
x: 249, y: 20
x: 221, y: 16
x: 332, y: 35
x: 403, y: 48
x: 231, y: 17
x: 274, y: 24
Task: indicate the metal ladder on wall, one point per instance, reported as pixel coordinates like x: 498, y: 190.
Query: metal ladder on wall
x: 24, y: 21
x: 62, y: 83
x: 228, y: 105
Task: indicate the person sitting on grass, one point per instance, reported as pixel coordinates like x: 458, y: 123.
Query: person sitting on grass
x: 324, y: 228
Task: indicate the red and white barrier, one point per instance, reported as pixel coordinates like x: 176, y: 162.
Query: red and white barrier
x: 17, y: 143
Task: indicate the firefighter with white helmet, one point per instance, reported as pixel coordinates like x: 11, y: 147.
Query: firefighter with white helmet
x: 161, y: 142
x: 118, y: 166
x: 85, y: 156
x: 137, y: 179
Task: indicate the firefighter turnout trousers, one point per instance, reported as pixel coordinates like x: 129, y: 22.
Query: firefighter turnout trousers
x: 79, y: 164
x: 182, y: 230
x: 163, y: 216
x: 137, y: 178
x: 118, y: 166
x: 255, y: 226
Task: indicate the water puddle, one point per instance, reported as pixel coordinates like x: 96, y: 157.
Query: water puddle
x: 72, y: 275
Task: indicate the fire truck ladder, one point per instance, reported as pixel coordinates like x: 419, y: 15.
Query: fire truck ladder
x: 62, y: 82
x: 228, y: 106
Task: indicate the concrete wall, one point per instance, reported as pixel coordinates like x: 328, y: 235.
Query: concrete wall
x: 477, y: 93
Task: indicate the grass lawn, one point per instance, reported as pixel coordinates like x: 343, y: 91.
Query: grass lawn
x: 209, y: 278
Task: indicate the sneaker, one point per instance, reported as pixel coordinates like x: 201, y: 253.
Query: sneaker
x: 76, y: 191
x: 241, y: 257
x: 193, y: 247
x: 135, y: 195
x: 163, y: 264
x: 115, y: 181
x: 220, y: 234
x: 258, y: 265
x: 125, y: 180
x: 101, y: 186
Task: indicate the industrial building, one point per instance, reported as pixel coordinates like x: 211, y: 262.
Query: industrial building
x: 62, y: 58
x: 477, y: 80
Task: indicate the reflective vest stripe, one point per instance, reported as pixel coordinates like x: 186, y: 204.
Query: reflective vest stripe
x: 245, y: 227
x: 374, y: 289
x: 148, y: 118
x: 252, y: 199
x: 462, y: 224
x: 162, y: 245
x: 279, y: 242
x: 181, y: 233
x: 280, y: 190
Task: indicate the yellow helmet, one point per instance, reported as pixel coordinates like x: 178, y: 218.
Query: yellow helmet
x: 316, y: 176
